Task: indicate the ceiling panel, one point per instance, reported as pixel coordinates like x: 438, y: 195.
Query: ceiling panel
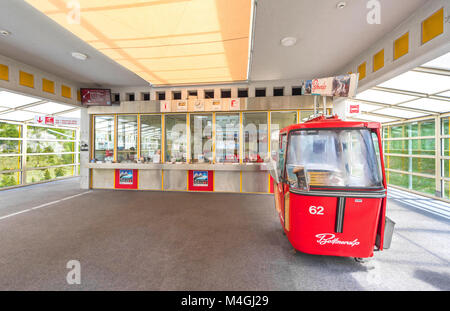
x: 429, y: 104
x: 442, y: 62
x: 49, y: 108
x: 376, y: 118
x: 12, y: 100
x: 383, y: 97
x: 419, y: 82
x: 17, y: 116
x: 400, y: 113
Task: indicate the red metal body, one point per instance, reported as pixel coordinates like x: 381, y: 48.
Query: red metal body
x: 332, y: 221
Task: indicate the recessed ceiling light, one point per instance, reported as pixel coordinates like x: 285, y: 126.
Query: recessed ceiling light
x: 79, y: 56
x: 341, y: 5
x: 5, y: 33
x: 288, y: 41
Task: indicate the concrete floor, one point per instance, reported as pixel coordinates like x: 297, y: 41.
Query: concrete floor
x: 195, y: 241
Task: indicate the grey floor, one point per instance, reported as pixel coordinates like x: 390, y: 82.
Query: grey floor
x: 196, y: 241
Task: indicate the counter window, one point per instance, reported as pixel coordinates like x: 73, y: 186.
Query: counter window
x: 227, y: 138
x: 278, y: 121
x: 201, y: 138
x: 175, y: 138
x: 333, y: 158
x: 151, y: 138
x: 104, y: 138
x: 255, y: 136
x: 126, y: 138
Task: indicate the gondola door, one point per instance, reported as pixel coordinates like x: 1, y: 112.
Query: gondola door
x: 280, y: 187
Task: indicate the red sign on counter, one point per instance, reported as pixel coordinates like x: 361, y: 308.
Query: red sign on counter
x: 126, y: 179
x: 201, y: 180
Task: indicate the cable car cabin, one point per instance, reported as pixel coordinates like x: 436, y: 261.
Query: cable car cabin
x: 330, y: 187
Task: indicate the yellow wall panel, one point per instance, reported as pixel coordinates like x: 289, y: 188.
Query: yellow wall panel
x: 48, y: 86
x: 66, y: 91
x: 401, y: 46
x: 79, y: 95
x: 4, y: 72
x: 362, y: 71
x: 433, y: 26
x: 378, y: 60
x: 26, y: 79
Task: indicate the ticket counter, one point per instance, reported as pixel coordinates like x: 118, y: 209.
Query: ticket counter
x: 137, y: 147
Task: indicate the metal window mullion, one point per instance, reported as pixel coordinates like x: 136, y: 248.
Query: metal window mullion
x: 77, y: 148
x: 410, y: 173
x: 438, y: 166
x: 410, y: 138
x: 53, y: 140
x: 401, y: 155
x: 24, y: 154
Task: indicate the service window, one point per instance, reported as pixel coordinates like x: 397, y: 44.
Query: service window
x: 255, y: 136
x: 175, y: 138
x: 126, y: 138
x: 151, y: 138
x: 227, y: 138
x: 201, y: 138
x: 104, y: 138
x: 278, y: 121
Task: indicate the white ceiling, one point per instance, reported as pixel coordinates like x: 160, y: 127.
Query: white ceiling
x: 328, y: 38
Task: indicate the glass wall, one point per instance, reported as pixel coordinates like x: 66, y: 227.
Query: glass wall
x: 32, y: 153
x: 104, y: 138
x: 175, y: 138
x: 445, y: 156
x: 227, y: 137
x: 126, y: 139
x: 51, y: 152
x: 10, y: 150
x: 278, y: 121
x: 410, y: 151
x: 255, y: 136
x: 151, y: 138
x: 201, y: 138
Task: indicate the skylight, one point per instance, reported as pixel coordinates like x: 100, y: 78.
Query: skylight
x: 12, y: 100
x: 419, y: 82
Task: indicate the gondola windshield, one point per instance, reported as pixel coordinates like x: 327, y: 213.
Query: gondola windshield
x: 333, y: 158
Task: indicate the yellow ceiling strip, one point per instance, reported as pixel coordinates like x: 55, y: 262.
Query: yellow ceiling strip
x: 163, y: 41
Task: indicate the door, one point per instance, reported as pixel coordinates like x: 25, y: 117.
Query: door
x: 280, y: 187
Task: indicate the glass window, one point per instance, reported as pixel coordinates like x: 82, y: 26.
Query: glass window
x: 49, y: 173
x: 151, y: 138
x: 50, y: 160
x: 281, y: 159
x: 227, y: 138
x: 255, y: 136
x: 50, y: 146
x: 201, y: 138
x: 278, y: 121
x: 9, y: 163
x: 104, y: 138
x: 175, y: 138
x: 37, y: 132
x: 9, y: 130
x: 9, y: 180
x: 305, y: 115
x: 10, y: 146
x: 333, y: 158
x: 126, y: 138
